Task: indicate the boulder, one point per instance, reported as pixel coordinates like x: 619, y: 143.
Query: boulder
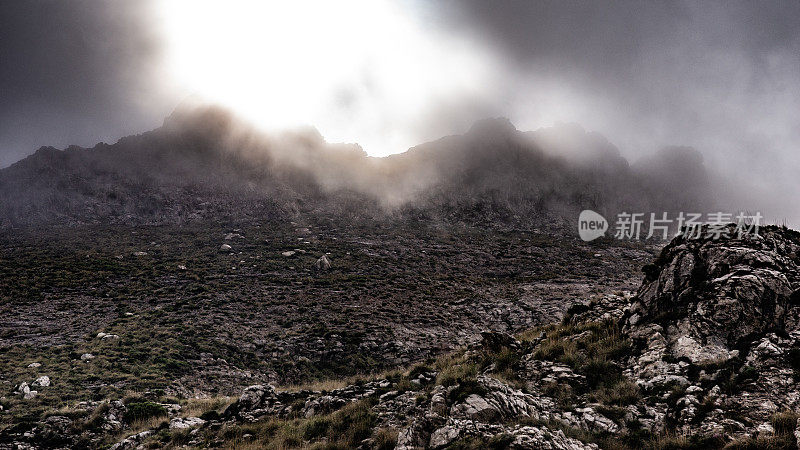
x: 42, y: 381
x: 710, y: 297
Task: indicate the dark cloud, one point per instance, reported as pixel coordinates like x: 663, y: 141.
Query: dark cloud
x: 75, y: 72
x: 723, y: 77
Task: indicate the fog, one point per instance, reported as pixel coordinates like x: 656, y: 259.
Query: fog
x: 720, y: 77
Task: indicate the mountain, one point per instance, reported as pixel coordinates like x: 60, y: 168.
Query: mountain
x: 204, y: 163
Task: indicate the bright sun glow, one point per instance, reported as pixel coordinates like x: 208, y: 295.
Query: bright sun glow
x: 359, y: 70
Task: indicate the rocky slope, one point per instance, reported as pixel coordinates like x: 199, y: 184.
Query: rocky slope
x: 704, y: 355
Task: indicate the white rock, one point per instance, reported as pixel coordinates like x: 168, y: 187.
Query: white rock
x: 139, y: 253
x: 181, y: 423
x: 87, y: 356
x: 225, y: 248
x: 765, y: 428
x: 34, y: 365
x: 26, y: 391
x: 131, y: 441
x: 694, y: 389
x: 101, y: 335
x: 288, y: 253
x: 443, y: 436
x: 42, y: 381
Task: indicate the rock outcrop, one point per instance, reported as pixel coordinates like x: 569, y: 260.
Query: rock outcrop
x: 721, y: 319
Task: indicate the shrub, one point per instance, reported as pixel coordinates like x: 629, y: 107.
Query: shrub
x: 351, y: 424
x: 621, y: 393
x: 784, y: 423
x: 385, y: 439
x: 316, y: 427
x: 143, y: 411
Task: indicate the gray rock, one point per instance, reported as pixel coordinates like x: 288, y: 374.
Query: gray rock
x: 25, y: 391
x: 42, y: 381
x: 132, y: 442
x: 323, y: 263
x: 182, y: 423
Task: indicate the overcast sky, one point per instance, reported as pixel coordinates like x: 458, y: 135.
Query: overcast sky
x: 723, y: 77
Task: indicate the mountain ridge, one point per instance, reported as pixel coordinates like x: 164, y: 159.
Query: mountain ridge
x: 205, y: 164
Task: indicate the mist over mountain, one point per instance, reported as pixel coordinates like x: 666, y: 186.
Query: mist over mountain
x: 206, y: 164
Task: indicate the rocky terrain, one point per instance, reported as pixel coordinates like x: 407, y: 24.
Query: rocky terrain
x: 703, y: 355
x: 207, y: 310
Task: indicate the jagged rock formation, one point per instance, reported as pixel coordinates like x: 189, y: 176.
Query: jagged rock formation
x: 720, y: 317
x: 204, y: 164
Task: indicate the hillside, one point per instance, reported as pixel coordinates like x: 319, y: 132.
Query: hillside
x: 703, y: 355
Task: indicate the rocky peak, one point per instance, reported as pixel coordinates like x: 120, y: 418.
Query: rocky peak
x: 493, y: 127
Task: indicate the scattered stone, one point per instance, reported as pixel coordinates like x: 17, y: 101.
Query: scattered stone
x: 288, y: 253
x: 25, y: 391
x: 131, y: 442
x: 323, y: 263
x: 87, y: 356
x: 34, y: 365
x: 225, y: 248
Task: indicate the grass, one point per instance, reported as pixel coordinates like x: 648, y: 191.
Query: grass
x: 345, y: 428
x: 201, y: 406
x: 330, y: 384
x: 140, y: 411
x: 590, y: 349
x: 621, y: 393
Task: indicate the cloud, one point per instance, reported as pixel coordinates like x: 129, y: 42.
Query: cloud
x: 76, y: 72
x: 723, y: 77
